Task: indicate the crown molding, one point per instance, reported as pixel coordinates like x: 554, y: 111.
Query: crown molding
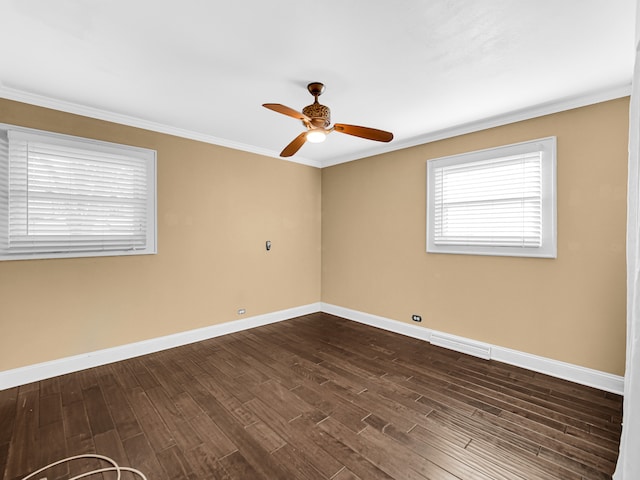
x: 561, y: 105
x: 99, y: 114
x: 534, y: 111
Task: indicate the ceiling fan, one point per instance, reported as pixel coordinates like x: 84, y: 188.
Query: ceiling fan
x: 317, y: 118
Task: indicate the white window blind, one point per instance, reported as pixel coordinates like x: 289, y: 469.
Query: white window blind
x: 65, y: 196
x: 496, y: 202
x: 490, y: 202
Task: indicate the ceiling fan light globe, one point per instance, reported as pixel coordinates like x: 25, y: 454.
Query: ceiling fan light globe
x: 316, y: 136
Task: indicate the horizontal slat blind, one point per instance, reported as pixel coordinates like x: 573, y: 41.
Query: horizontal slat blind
x: 66, y: 197
x: 4, y: 191
x: 496, y: 202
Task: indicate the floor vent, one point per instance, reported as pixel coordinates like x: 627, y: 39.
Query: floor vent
x: 463, y: 345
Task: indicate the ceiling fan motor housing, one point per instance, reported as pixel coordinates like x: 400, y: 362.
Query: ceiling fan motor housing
x: 320, y: 115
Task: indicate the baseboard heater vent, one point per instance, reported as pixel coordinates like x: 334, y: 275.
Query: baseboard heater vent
x: 463, y: 345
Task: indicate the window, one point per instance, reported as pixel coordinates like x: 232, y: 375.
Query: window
x: 63, y: 196
x: 500, y: 201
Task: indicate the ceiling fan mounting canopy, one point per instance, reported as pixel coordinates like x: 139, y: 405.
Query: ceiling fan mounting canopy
x: 316, y: 89
x: 317, y: 118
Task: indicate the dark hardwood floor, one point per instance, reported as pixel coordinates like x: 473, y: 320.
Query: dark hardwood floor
x: 313, y: 397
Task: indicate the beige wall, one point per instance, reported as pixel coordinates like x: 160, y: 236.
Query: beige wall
x: 570, y: 309
x: 216, y: 208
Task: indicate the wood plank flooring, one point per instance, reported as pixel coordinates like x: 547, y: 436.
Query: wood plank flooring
x: 316, y: 397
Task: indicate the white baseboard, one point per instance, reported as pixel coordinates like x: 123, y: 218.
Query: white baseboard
x: 567, y: 371
x: 379, y: 322
x: 41, y: 371
x: 574, y: 373
x: 555, y: 368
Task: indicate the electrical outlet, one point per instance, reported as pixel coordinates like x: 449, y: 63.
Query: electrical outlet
x: 241, y: 311
x: 416, y: 318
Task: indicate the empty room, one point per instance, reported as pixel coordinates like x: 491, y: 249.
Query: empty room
x: 204, y: 274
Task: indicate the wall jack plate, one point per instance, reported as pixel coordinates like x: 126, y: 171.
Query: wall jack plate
x: 416, y: 318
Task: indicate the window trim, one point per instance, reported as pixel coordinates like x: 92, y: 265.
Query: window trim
x: 149, y: 156
x: 547, y: 146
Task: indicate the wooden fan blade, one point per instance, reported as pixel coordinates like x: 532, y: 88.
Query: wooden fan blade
x: 276, y: 107
x: 364, y: 132
x: 295, y: 145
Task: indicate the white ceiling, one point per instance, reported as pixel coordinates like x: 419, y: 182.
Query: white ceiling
x: 421, y: 69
